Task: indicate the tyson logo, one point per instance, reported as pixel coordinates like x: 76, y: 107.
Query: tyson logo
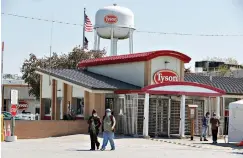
x: 110, y: 19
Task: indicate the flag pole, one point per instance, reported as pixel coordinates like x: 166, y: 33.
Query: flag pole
x: 50, y: 53
x: 84, y: 27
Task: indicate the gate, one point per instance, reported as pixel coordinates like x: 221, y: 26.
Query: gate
x: 199, y: 115
x: 130, y: 113
x: 140, y: 116
x: 119, y: 115
x: 131, y: 110
x: 175, y: 117
x: 158, y: 116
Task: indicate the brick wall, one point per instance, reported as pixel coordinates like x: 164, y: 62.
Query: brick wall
x: 48, y: 128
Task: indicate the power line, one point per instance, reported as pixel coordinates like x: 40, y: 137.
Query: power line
x: 190, y: 34
x: 40, y: 19
x: 139, y: 31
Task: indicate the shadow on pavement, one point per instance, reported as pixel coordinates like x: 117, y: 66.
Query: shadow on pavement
x: 121, y: 137
x: 227, y: 145
x: 72, y: 149
x: 83, y: 150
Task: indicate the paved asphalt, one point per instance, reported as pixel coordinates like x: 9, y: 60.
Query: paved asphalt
x: 77, y: 146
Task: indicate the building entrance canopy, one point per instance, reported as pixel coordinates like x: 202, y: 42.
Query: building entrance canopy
x: 169, y: 106
x: 178, y: 88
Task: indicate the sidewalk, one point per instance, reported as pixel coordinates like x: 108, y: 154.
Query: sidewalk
x: 78, y: 146
x: 196, y: 143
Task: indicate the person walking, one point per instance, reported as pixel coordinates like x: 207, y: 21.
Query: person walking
x: 205, y: 125
x: 94, y: 125
x: 215, y: 125
x: 108, y: 126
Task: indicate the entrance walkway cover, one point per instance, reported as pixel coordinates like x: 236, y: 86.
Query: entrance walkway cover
x: 183, y: 88
x: 178, y: 88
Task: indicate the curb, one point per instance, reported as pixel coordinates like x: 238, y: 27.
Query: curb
x: 190, y: 145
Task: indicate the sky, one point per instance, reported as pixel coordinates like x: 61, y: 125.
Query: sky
x: 24, y: 36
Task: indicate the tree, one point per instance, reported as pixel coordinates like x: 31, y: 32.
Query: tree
x: 187, y: 70
x: 223, y: 69
x: 63, y: 61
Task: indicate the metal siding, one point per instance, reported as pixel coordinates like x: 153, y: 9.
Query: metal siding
x: 132, y: 73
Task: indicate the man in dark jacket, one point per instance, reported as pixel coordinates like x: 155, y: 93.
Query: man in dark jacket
x: 205, y: 124
x: 215, y: 125
x: 94, y: 125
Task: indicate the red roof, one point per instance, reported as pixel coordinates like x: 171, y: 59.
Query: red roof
x: 136, y: 57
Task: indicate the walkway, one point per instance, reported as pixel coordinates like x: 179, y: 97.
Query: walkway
x: 78, y: 146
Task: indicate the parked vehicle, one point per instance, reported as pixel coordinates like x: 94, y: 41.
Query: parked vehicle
x: 27, y: 116
x: 8, y: 116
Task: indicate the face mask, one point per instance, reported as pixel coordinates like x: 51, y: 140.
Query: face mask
x: 95, y: 115
x: 108, y: 114
x: 214, y: 117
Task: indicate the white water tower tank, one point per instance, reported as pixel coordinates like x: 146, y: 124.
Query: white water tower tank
x: 115, y: 23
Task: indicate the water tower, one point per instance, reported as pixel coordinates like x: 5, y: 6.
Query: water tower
x: 114, y: 23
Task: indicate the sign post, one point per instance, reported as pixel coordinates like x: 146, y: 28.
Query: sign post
x: 14, y: 102
x: 192, y: 114
x: 13, y: 113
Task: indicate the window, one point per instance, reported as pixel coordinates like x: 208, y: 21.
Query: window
x: 228, y: 101
x: 80, y: 106
x: 109, y: 102
x: 37, y: 110
x: 5, y: 105
x: 47, y: 104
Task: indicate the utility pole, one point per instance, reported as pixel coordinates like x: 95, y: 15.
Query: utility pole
x: 2, y: 87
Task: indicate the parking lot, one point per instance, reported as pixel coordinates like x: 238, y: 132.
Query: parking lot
x: 78, y: 146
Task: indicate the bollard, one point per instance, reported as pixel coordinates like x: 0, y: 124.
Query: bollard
x: 8, y: 131
x: 2, y: 127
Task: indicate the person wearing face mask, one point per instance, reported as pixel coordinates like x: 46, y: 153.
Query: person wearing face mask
x: 108, y: 127
x: 94, y: 125
x: 215, y: 125
x: 205, y: 125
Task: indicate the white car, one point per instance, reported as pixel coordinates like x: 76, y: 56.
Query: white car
x: 26, y: 116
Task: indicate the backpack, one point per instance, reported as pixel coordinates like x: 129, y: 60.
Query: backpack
x: 112, y: 122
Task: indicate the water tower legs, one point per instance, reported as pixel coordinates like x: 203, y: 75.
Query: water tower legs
x: 95, y: 40
x: 115, y: 40
x: 98, y: 43
x: 130, y: 40
x: 112, y: 42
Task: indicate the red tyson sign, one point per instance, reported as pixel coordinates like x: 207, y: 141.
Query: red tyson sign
x: 163, y: 76
x: 22, y: 105
x: 110, y: 19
